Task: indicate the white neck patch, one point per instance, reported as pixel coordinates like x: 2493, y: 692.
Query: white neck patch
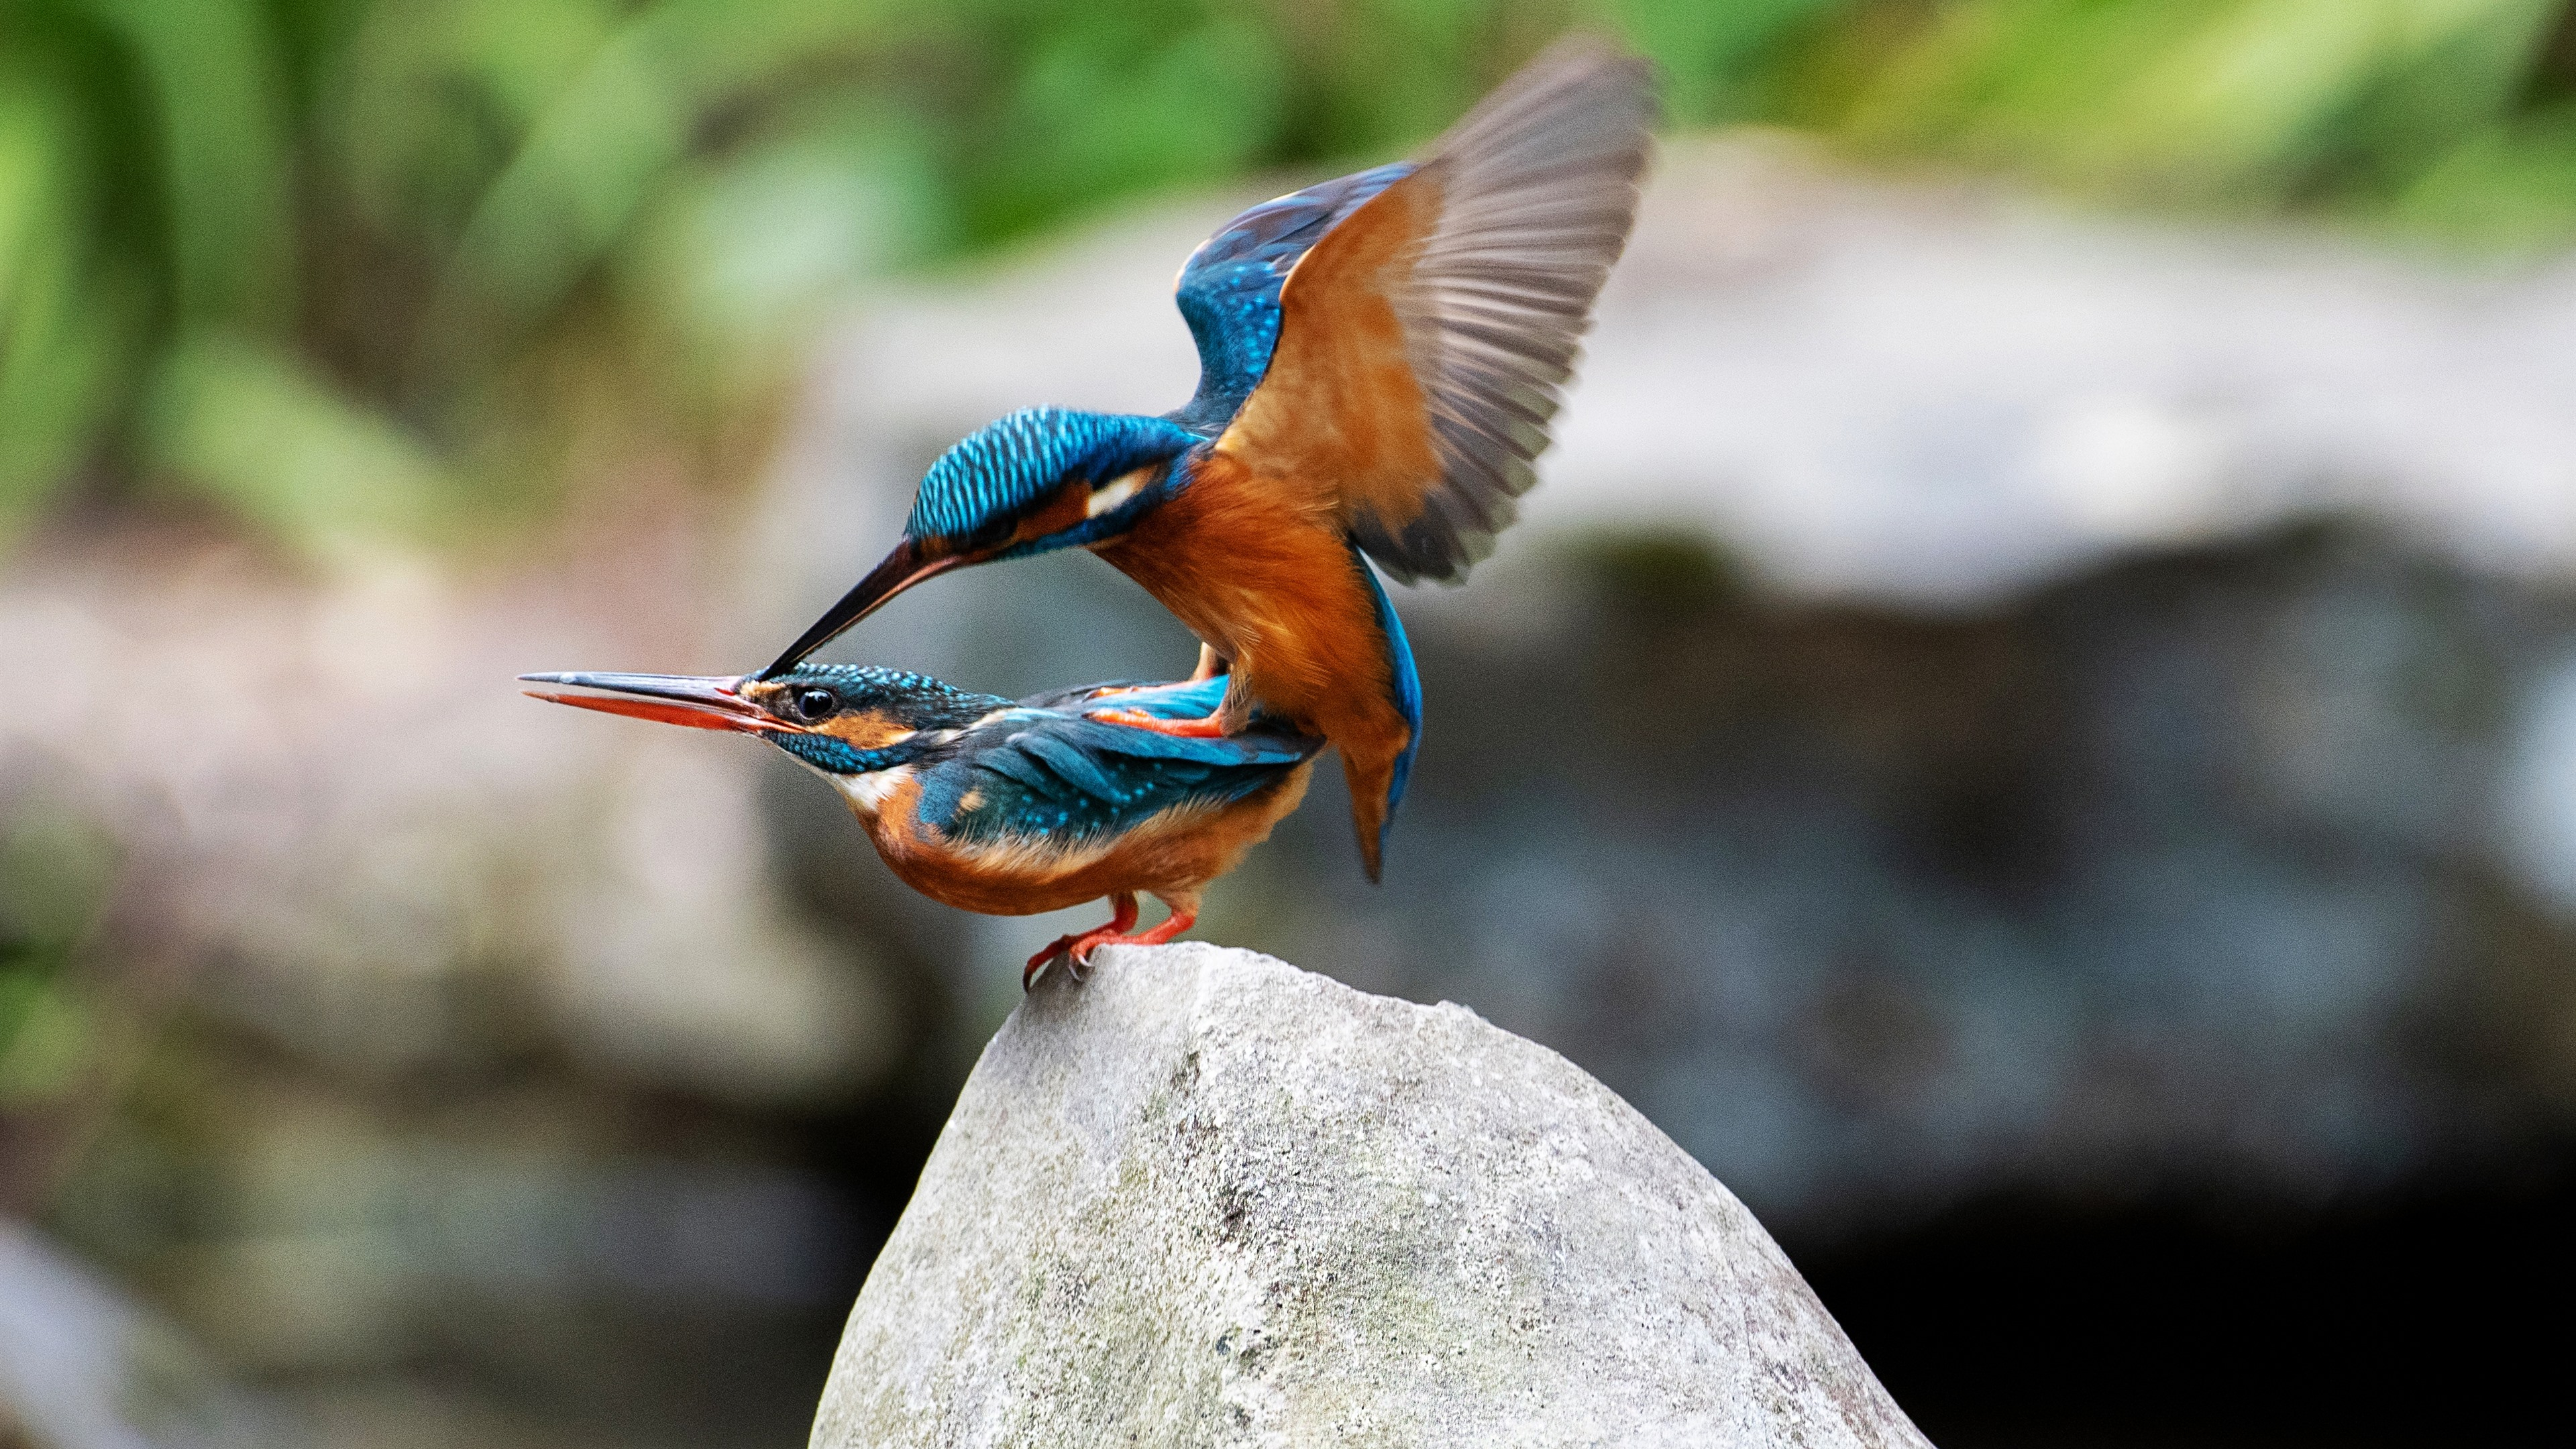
x: 1105, y: 499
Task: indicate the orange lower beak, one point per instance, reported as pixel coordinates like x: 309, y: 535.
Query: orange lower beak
x: 699, y: 702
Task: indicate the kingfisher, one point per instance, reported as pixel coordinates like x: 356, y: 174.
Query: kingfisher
x: 1379, y: 360
x: 1008, y: 808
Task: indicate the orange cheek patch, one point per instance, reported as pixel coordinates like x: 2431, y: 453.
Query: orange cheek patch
x: 865, y: 729
x: 1063, y: 511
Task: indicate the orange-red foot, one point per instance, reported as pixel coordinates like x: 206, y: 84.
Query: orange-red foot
x: 1205, y: 728
x: 1170, y: 926
x: 1075, y: 951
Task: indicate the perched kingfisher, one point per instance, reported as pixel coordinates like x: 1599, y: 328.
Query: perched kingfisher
x: 1008, y: 808
x: 1379, y: 358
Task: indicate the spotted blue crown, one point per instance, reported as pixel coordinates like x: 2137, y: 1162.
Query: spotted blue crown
x: 1006, y: 466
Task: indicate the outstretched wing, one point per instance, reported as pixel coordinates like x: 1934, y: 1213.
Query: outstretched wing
x: 1423, y: 339
x: 1065, y: 779
x: 1229, y: 288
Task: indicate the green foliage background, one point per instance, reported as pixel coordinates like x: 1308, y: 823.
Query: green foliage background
x: 353, y: 266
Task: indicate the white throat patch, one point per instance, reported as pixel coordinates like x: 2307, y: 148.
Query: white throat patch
x: 869, y: 791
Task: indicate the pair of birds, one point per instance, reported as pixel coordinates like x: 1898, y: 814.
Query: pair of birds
x: 1380, y: 356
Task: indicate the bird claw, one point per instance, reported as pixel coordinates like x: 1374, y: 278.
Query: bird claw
x: 1203, y: 728
x: 1036, y: 970
x: 1073, y: 951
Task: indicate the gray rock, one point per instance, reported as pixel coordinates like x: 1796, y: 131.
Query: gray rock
x: 1206, y: 1198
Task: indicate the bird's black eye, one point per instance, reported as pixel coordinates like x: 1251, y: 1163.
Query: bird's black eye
x: 815, y: 704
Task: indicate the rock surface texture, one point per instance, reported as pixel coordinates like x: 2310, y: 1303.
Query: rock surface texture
x: 1206, y: 1198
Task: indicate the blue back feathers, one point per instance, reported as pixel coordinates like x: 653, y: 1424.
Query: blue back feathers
x: 982, y: 485
x: 991, y: 770
x: 1045, y: 773
x: 1229, y: 288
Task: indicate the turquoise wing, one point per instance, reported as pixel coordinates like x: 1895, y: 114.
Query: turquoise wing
x: 1044, y: 772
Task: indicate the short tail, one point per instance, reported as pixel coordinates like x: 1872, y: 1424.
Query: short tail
x: 1372, y: 808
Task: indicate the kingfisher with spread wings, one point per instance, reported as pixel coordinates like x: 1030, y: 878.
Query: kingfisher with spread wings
x: 1380, y: 357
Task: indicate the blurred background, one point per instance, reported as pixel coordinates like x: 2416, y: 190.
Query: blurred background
x: 2056, y: 605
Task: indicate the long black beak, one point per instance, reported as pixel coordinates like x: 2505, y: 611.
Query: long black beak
x: 901, y: 570
x: 701, y: 702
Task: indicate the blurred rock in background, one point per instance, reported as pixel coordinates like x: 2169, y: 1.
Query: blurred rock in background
x: 489, y: 1045
x: 82, y: 1365
x: 2032, y: 736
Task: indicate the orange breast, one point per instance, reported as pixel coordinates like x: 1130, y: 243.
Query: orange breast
x: 1259, y: 568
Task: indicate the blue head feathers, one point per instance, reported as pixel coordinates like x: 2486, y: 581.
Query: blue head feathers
x: 1039, y: 479
x: 974, y: 496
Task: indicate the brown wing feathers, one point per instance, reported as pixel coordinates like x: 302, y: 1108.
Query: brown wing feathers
x: 1424, y: 341
x: 1538, y: 185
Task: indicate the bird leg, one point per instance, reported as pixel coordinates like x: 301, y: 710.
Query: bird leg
x: 1076, y: 950
x: 1211, y: 664
x: 1184, y: 914
x: 1209, y: 727
x: 1227, y: 718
